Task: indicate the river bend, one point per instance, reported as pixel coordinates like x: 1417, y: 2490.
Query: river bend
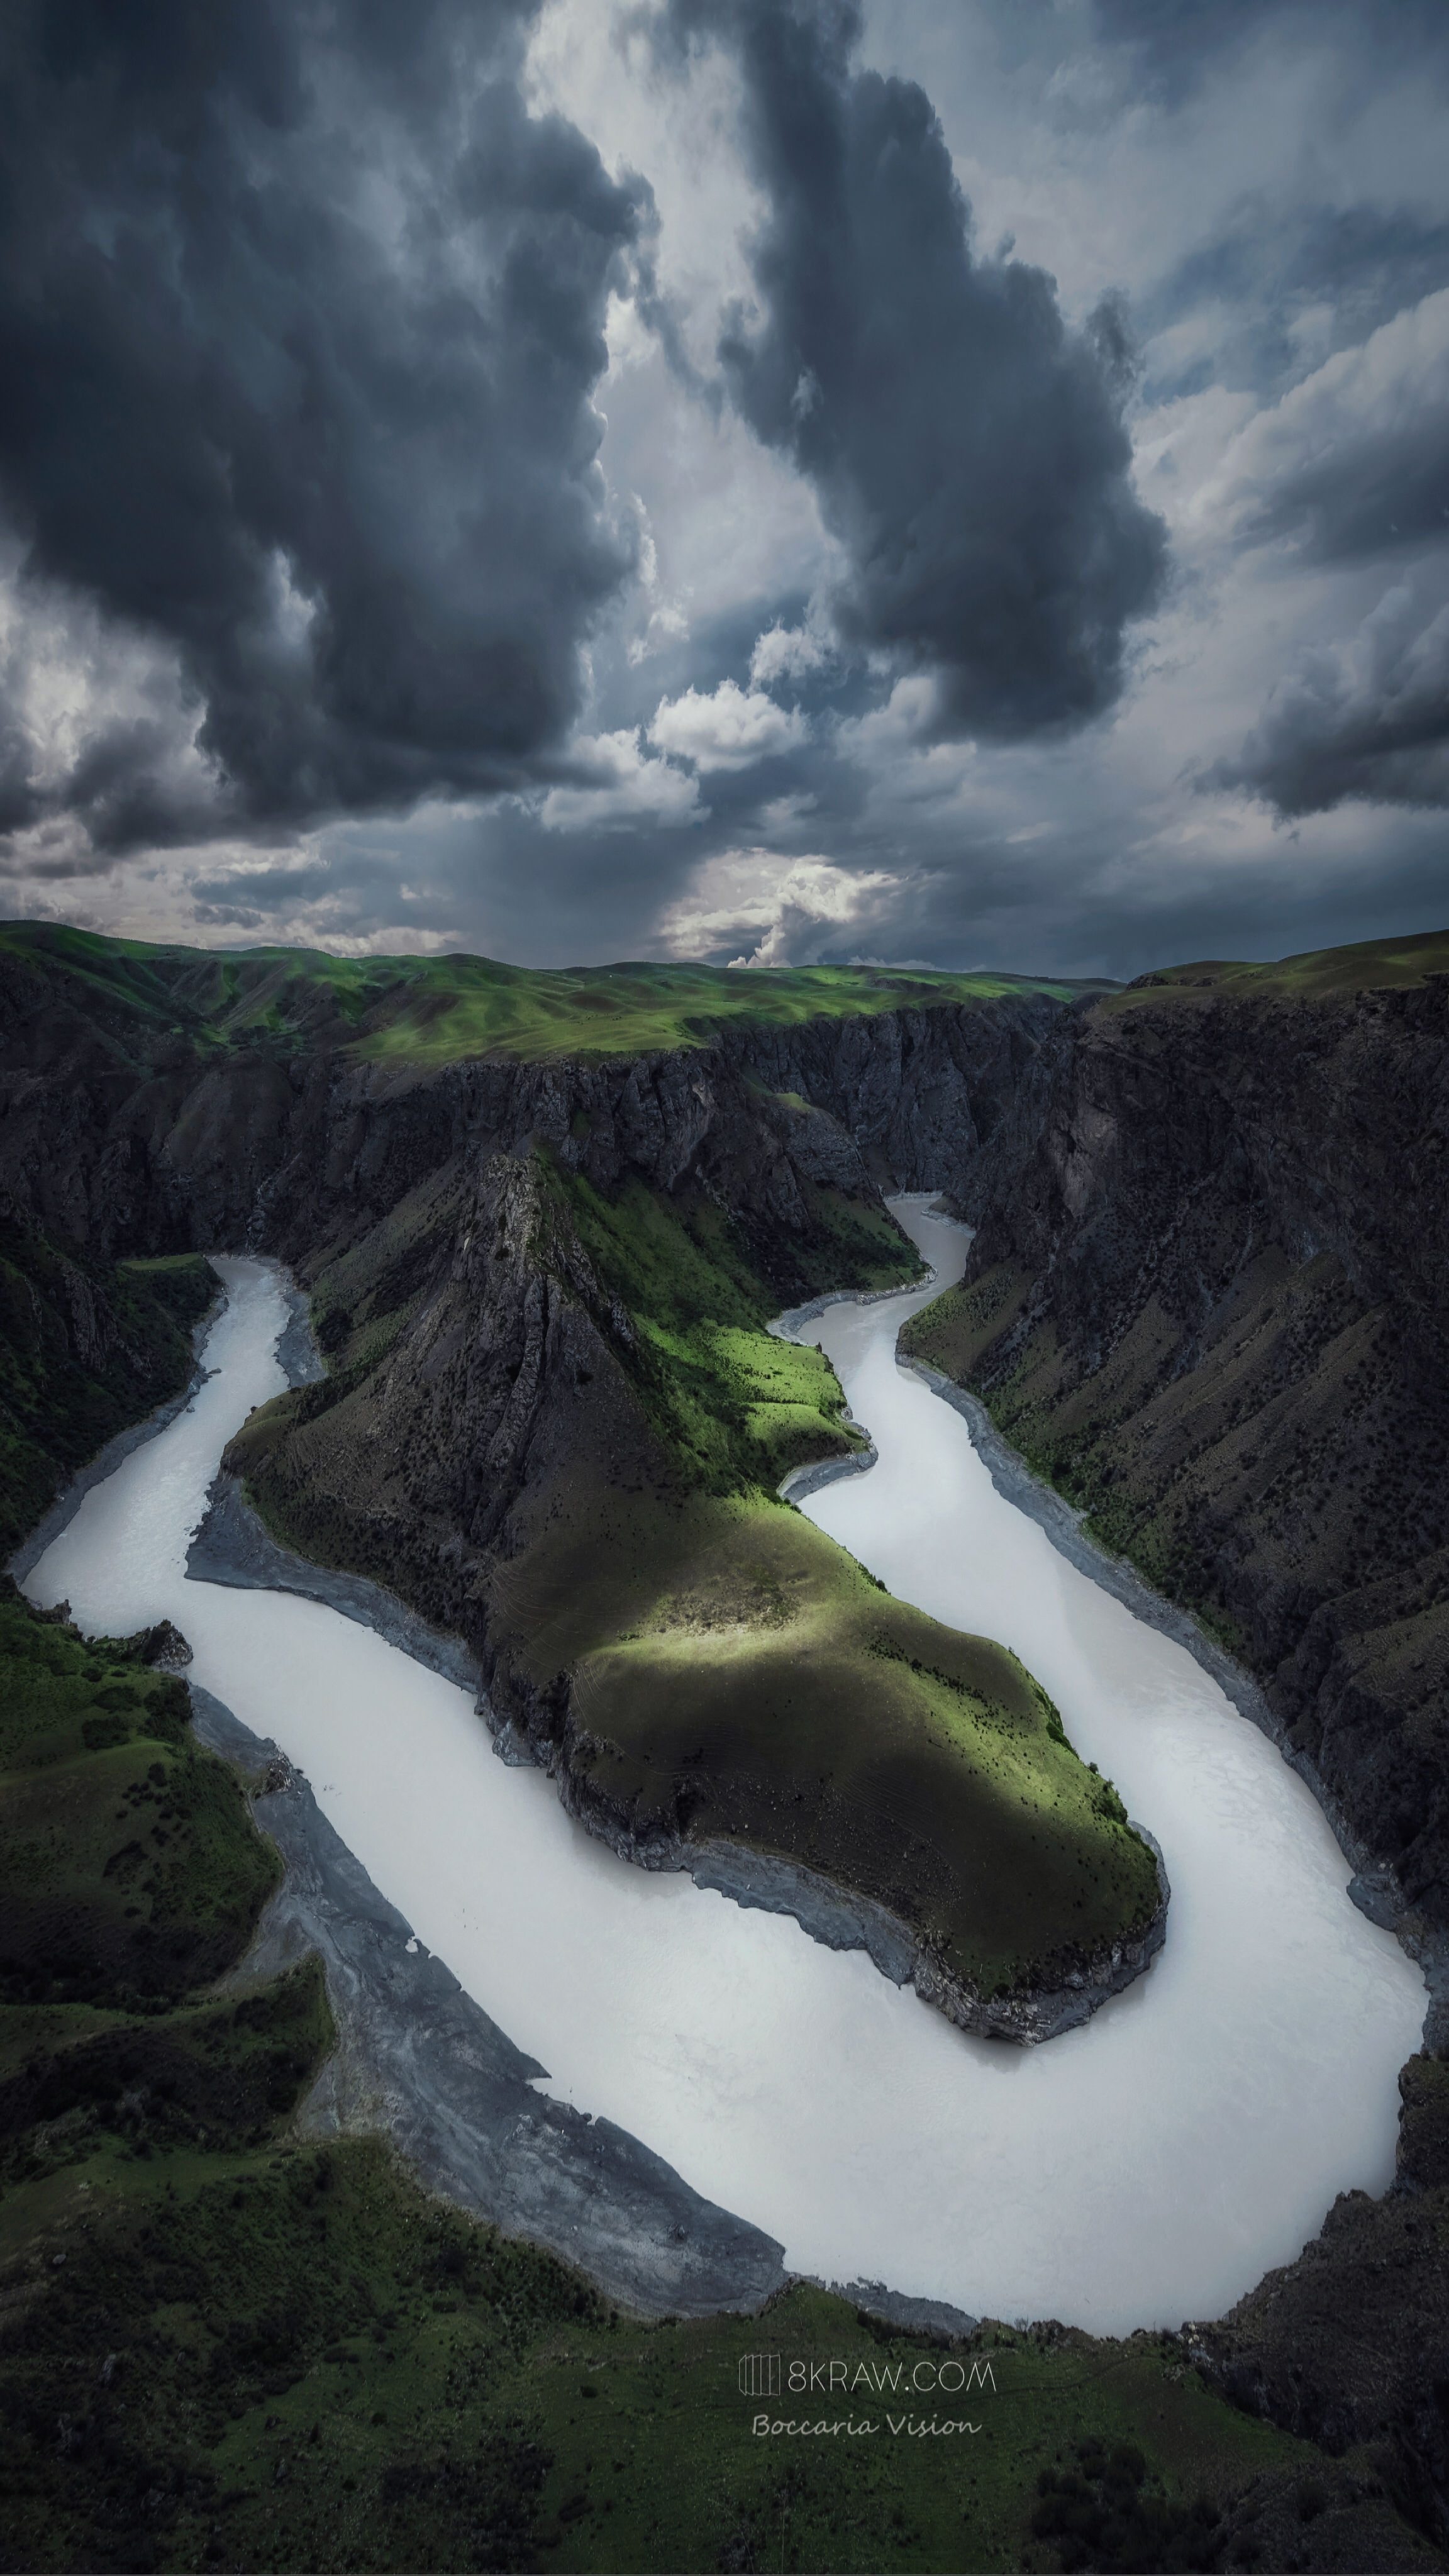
x: 1145, y: 2168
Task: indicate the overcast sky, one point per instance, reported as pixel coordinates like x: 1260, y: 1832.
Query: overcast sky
x: 963, y: 481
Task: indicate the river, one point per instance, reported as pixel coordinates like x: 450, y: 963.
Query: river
x: 1145, y: 2168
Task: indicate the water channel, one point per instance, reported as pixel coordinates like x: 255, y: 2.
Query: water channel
x: 1146, y: 2168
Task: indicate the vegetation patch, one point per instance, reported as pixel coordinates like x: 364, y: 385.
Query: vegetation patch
x: 440, y: 1010
x: 736, y: 1407
x: 287, y: 2357
x: 131, y: 1867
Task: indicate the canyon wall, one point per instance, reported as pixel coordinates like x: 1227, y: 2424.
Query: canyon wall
x: 1208, y: 1297
x: 127, y: 1137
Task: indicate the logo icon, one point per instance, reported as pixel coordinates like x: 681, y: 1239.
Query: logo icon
x: 760, y: 2374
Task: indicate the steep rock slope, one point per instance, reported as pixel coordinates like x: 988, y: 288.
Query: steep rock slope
x: 1349, y: 2345
x: 1207, y: 1297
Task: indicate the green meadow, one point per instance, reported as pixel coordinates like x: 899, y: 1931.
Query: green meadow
x: 1318, y: 974
x: 437, y: 1010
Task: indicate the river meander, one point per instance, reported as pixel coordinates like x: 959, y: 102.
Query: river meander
x: 1148, y: 2167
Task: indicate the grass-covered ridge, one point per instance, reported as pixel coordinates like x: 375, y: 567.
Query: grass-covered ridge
x: 737, y: 1674
x: 737, y: 1407
x: 1317, y: 974
x: 720, y: 1669
x: 438, y: 1010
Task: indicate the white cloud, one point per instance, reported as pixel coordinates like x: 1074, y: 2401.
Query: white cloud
x: 775, y: 913
x: 786, y: 653
x: 903, y: 724
x: 99, y: 736
x: 729, y: 730
x: 621, y: 784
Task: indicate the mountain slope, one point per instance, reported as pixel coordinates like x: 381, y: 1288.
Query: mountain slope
x: 1209, y: 1297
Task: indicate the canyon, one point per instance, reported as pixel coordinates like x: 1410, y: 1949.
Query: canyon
x: 1204, y: 1300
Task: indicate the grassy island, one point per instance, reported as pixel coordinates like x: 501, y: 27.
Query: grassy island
x: 703, y: 1662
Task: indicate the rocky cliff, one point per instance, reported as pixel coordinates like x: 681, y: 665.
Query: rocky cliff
x: 133, y: 1131
x: 1207, y: 1297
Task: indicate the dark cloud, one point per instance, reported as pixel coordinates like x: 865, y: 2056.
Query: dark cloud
x: 1377, y: 483
x: 968, y: 450
x: 300, y: 316
x: 1366, y: 719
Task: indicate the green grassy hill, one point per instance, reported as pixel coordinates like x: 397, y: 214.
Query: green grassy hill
x: 436, y: 1010
x: 728, y: 1670
x: 1370, y: 965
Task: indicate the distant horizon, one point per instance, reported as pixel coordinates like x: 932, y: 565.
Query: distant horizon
x: 621, y: 965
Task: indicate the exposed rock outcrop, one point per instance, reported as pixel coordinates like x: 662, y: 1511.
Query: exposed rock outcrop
x: 132, y: 1138
x: 1349, y: 2345
x: 1207, y: 1295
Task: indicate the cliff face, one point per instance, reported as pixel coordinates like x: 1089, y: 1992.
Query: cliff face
x: 1208, y: 1296
x: 132, y: 1137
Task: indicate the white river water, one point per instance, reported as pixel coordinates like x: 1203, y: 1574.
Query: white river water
x: 1146, y: 2168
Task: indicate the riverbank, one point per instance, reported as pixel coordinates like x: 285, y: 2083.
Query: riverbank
x: 234, y: 1548
x: 419, y: 2060
x: 298, y: 1354
x: 1374, y: 1888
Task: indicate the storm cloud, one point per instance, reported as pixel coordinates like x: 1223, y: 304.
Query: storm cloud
x: 968, y: 449
x: 1354, y: 461
x: 301, y: 313
x: 1367, y: 718
x: 419, y: 531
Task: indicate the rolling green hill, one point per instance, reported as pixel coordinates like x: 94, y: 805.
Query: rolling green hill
x: 1371, y: 965
x: 436, y: 1010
